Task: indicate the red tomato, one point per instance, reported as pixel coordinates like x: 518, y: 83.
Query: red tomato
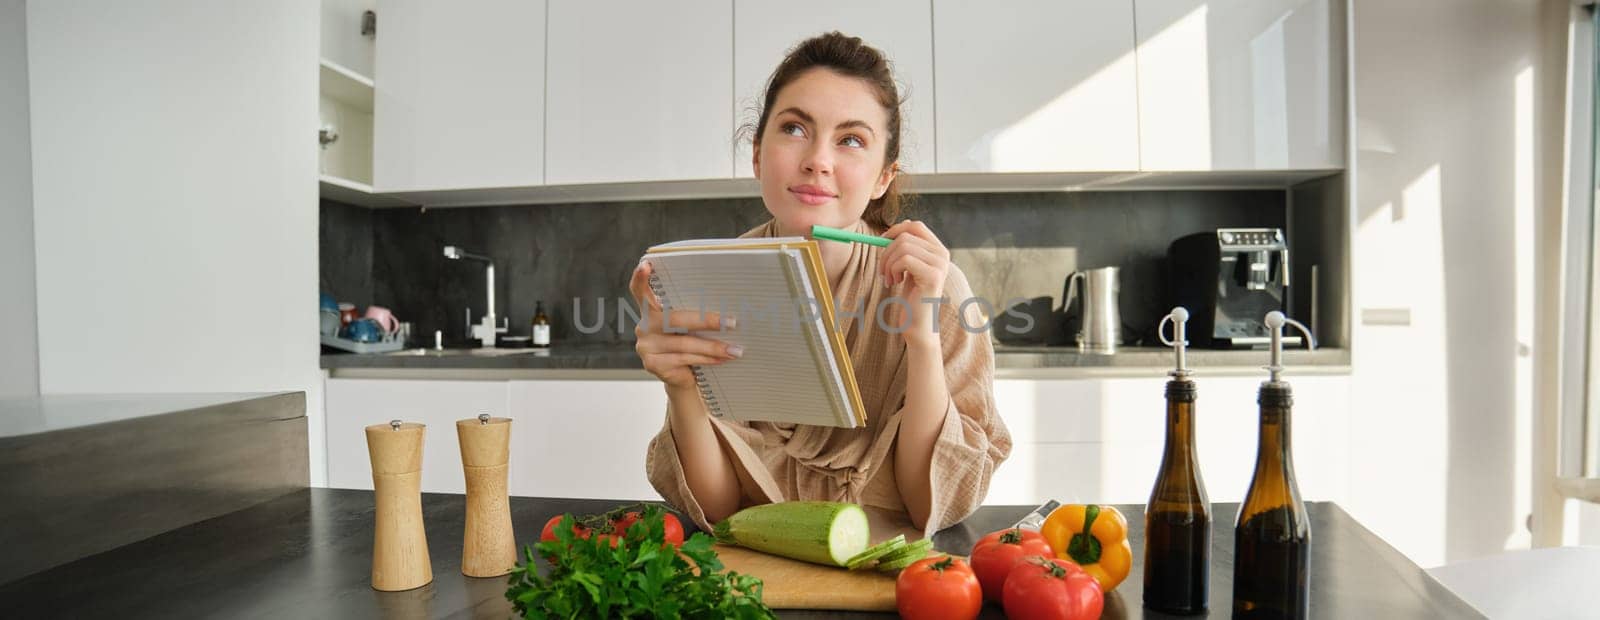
x: 1051, y: 589
x: 549, y: 532
x: 673, y: 530
x: 671, y: 527
x: 995, y: 555
x: 621, y: 525
x: 940, y: 587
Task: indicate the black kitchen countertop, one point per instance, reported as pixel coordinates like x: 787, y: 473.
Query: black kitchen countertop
x: 308, y: 554
x: 614, y: 356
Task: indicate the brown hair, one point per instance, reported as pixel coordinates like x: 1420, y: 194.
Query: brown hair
x: 850, y: 57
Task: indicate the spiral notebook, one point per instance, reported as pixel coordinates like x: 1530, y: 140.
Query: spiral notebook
x: 794, y: 367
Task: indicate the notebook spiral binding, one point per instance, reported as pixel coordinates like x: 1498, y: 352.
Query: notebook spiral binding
x: 700, y: 379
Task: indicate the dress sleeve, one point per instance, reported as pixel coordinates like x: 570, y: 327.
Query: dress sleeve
x: 665, y: 470
x: 974, y: 440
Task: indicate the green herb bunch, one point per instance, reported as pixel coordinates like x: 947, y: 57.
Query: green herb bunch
x: 640, y: 577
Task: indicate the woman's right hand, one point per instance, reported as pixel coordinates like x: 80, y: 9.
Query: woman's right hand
x: 668, y: 355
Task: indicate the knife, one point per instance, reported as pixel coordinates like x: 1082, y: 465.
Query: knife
x: 1035, y: 520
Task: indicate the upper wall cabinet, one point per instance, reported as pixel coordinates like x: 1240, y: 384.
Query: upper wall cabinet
x: 1035, y: 85
x: 640, y: 91
x: 343, y: 42
x: 459, y: 94
x: 902, y: 29
x: 1240, y: 84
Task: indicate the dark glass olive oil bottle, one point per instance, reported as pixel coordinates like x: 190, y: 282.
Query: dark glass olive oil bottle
x: 1272, y: 538
x: 1177, y: 521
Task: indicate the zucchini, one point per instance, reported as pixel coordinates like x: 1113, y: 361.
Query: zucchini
x: 827, y: 533
x: 906, y: 556
x: 861, y: 560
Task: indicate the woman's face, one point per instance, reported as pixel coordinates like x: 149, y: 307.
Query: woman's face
x: 820, y: 158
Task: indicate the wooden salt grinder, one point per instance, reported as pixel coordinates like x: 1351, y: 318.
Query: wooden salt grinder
x: 399, y: 545
x: 489, y: 548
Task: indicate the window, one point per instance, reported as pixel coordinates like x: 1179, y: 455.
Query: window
x: 1574, y: 424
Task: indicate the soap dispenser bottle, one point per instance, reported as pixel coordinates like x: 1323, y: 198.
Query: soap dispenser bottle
x: 1272, y: 537
x: 1177, y: 521
x: 541, y: 326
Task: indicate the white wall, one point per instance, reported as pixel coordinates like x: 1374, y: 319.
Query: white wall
x: 1455, y: 154
x: 19, y: 355
x: 175, y: 210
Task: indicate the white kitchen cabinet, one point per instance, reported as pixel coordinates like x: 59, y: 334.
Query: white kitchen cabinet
x: 569, y: 438
x: 1035, y: 85
x: 344, y: 107
x: 588, y: 438
x: 1080, y: 440
x: 1241, y: 84
x: 353, y: 404
x: 902, y: 29
x: 459, y: 95
x: 639, y: 91
x: 1101, y: 440
x: 342, y: 41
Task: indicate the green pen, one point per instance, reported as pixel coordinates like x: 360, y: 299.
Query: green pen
x: 845, y: 236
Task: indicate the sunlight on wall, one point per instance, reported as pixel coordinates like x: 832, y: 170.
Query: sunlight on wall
x: 1523, y: 252
x: 1588, y: 513
x: 1400, y: 414
x: 1183, y: 92
x: 1270, y: 96
x: 1024, y: 145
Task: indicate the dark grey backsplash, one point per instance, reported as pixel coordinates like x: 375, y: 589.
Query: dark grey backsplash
x: 1011, y: 245
x: 345, y: 246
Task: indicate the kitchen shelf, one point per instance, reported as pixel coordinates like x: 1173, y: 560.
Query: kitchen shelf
x: 359, y: 194
x: 347, y: 164
x: 345, y: 86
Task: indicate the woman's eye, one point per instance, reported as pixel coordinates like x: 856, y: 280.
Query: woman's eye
x: 854, y: 142
x: 792, y: 129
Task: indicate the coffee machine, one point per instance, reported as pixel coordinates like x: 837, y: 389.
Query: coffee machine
x: 1229, y: 279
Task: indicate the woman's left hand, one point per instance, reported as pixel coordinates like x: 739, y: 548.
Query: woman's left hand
x: 916, y: 257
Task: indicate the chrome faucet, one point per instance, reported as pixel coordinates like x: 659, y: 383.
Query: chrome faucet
x: 484, y: 331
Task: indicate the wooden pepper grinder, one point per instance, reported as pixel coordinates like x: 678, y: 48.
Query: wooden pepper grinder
x: 489, y: 549
x: 399, y: 545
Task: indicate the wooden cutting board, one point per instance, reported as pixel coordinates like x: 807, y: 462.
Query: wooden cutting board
x: 793, y: 584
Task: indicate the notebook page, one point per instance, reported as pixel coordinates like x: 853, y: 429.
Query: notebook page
x: 821, y: 346
x: 776, y: 379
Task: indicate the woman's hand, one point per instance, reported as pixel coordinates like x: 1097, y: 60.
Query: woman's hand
x: 669, y: 354
x: 916, y: 256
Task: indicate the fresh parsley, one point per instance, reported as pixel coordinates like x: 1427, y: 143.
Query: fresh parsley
x: 639, y: 577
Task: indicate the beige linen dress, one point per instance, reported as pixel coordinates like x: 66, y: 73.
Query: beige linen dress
x: 784, y: 462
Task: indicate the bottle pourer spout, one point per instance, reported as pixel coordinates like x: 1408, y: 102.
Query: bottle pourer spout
x: 1275, y: 321
x: 1180, y: 339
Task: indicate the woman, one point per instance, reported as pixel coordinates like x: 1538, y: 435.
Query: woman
x: 826, y: 151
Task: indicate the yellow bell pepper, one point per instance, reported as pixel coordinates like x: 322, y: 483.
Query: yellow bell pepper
x: 1093, y: 537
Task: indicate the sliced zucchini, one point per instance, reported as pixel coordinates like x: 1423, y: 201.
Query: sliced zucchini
x: 865, y: 558
x: 906, y: 556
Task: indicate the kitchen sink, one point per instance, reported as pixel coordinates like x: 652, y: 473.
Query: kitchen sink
x: 461, y: 352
